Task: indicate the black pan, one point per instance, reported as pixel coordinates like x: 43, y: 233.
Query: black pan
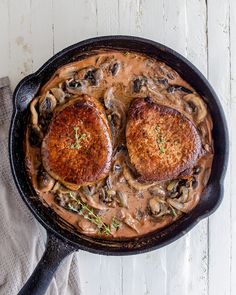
x: 62, y: 239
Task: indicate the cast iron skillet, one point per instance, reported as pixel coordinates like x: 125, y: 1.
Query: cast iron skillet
x: 62, y: 239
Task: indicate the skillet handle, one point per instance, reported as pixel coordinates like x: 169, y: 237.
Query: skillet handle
x: 56, y: 251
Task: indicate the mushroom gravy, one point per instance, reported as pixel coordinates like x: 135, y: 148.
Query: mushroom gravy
x: 119, y: 206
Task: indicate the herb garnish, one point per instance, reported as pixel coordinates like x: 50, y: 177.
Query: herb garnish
x: 160, y: 140
x: 115, y: 223
x: 173, y: 211
x: 88, y: 213
x: 78, y: 138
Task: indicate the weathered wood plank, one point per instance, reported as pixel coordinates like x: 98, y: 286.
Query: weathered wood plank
x: 175, y: 25
x: 4, y: 38
x: 219, y: 76
x: 20, y: 51
x: 107, y: 16
x: 232, y: 165
x: 41, y: 32
x: 73, y: 21
x: 187, y: 258
x: 196, y: 52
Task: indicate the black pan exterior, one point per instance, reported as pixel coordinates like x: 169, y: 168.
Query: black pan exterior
x: 213, y: 194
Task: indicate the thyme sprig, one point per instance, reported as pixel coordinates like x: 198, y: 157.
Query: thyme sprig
x: 78, y: 138
x: 173, y: 211
x: 160, y: 139
x: 89, y: 214
x: 115, y: 223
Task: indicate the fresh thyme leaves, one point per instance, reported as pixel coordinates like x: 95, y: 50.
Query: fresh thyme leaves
x: 78, y: 138
x: 173, y: 211
x: 72, y: 208
x: 115, y: 223
x: 160, y: 139
x: 88, y: 214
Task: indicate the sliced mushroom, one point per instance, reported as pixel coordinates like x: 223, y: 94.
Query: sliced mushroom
x: 180, y: 201
x: 194, y: 183
x: 56, y: 186
x: 154, y: 88
x: 157, y: 190
x: 184, y: 194
x: 116, y: 115
x: 76, y: 86
x: 91, y: 74
x: 122, y: 199
x: 88, y: 190
x: 206, y: 176
x: 63, y: 199
x: 155, y: 205
x: 176, y: 204
x: 104, y: 197
x: 138, y: 83
x: 158, y: 207
x: 67, y: 72
x: 110, y: 101
x: 87, y: 227
x: 117, y: 167
x: 114, y: 68
x: 59, y: 94
x: 34, y: 114
x: 198, y: 106
x: 109, y: 182
x: 139, y: 214
x: 35, y: 135
x: 47, y: 104
x: 133, y: 182
x: 129, y: 220
x: 94, y: 202
x: 174, y: 88
x: 45, y: 181
x: 172, y: 186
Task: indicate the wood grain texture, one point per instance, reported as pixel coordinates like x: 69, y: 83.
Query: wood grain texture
x: 219, y: 75
x: 232, y: 49
x: 204, y: 261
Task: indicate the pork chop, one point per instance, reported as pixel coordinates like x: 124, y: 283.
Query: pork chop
x: 161, y: 141
x: 77, y: 148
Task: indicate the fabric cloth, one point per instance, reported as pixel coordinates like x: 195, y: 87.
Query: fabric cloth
x: 22, y: 238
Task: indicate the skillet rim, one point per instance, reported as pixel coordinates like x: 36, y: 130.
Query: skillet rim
x: 190, y: 218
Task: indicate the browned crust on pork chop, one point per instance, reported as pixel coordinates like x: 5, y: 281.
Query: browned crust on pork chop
x: 161, y: 141
x: 77, y: 148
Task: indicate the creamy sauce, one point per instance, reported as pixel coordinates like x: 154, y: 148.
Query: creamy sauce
x: 122, y: 77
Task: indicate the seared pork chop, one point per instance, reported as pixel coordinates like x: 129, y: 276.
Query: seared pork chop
x: 77, y: 148
x: 161, y: 141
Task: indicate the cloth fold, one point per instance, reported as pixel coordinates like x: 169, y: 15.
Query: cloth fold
x: 22, y: 238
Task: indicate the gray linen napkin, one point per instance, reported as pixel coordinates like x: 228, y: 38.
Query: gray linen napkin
x: 22, y: 239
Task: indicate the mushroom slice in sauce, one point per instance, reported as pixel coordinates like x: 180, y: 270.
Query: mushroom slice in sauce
x: 133, y: 182
x: 123, y: 199
x: 45, y: 181
x: 87, y: 227
x: 197, y: 105
x: 47, y: 104
x: 129, y: 220
x: 59, y: 94
x: 158, y: 207
x: 34, y: 114
x: 93, y: 201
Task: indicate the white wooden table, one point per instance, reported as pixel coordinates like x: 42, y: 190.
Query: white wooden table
x: 31, y: 31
